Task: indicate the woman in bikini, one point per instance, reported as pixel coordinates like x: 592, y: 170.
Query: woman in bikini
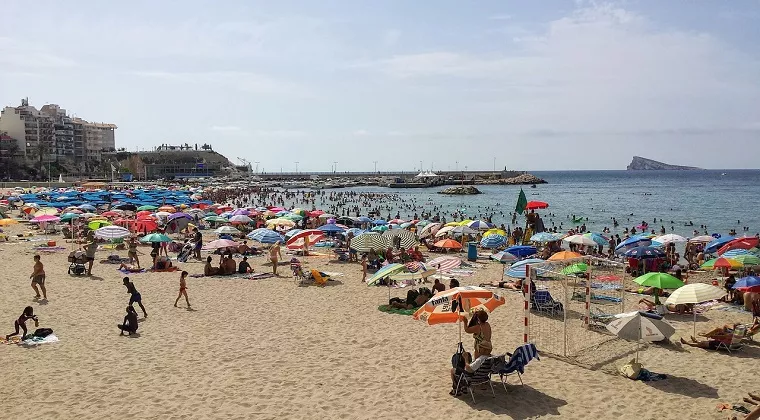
x: 132, y: 253
x: 182, y: 290
x: 479, y: 328
x: 274, y: 256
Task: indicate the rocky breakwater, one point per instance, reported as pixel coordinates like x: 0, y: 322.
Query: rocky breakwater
x: 522, y: 179
x: 460, y: 190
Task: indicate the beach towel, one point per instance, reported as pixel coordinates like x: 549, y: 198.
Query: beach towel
x: 258, y: 276
x: 391, y: 310
x: 48, y: 248
x: 647, y: 376
x: 333, y: 274
x: 167, y: 270
x: 125, y: 271
x: 30, y: 341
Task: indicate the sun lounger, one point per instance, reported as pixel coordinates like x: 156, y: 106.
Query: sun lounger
x: 542, y: 301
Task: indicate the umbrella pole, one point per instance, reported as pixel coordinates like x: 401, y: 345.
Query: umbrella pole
x: 694, y: 311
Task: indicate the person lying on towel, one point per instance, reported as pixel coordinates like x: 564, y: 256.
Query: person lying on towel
x: 414, y: 299
x: 130, y: 268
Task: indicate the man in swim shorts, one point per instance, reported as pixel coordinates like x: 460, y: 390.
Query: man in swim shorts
x: 135, y: 296
x: 38, y: 278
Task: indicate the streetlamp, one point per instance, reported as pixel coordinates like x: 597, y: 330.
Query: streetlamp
x: 335, y: 166
x: 257, y: 166
x: 296, y: 166
x: 375, y: 162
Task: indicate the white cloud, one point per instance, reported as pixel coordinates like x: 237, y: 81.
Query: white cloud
x: 361, y: 133
x: 20, y: 55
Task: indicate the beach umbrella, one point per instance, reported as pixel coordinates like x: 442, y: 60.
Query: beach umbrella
x: 396, y: 221
x: 407, y: 238
x: 493, y: 241
x: 8, y: 222
x: 669, y: 238
x: 293, y: 217
x: 717, y: 244
x: 448, y: 244
x: 659, y: 280
x: 215, y: 219
x: 381, y: 228
x: 219, y: 244
x: 522, y: 250
x: 535, y: 205
x: 289, y: 234
x: 129, y: 207
x: 226, y: 230
x: 736, y: 252
x: 179, y: 215
x: 442, y: 309
x: 325, y: 216
x: 97, y: 224
x: 355, y: 231
x: 640, y: 326
x: 265, y: 236
x: 517, y: 270
x: 597, y: 237
x: 385, y: 272
x: 580, y: 240
x: 112, y: 232
x: 110, y: 214
x: 702, y: 239
x: 504, y: 257
x: 168, y: 209
x: 366, y: 242
x: 155, y: 237
x: 573, y: 269
x: 748, y: 283
x: 565, y: 255
x: 748, y: 259
x: 694, y: 293
x: 480, y: 225
x: 298, y: 240
x: 741, y: 243
x: 543, y: 237
x: 280, y: 222
x: 331, y: 228
x: 240, y: 219
x: 644, y: 252
x: 494, y: 232
x: 632, y: 242
x: 147, y: 207
x: 728, y: 263
x: 379, y: 222
x: 86, y: 207
x: 463, y: 230
x: 444, y: 231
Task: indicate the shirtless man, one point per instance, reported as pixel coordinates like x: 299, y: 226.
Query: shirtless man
x: 38, y: 278
x: 274, y: 256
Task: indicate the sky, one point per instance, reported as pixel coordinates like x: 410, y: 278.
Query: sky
x: 356, y: 85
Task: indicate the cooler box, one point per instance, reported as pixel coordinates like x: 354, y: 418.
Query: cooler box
x: 472, y: 251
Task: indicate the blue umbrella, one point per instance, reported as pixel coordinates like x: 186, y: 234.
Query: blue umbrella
x: 521, y: 250
x: 265, y: 236
x: 543, y: 237
x: 633, y: 241
x: 715, y: 245
x: 644, y: 252
x: 292, y: 232
x: 598, y: 238
x: 493, y: 241
x: 355, y: 231
x: 330, y: 228
x: 380, y: 222
x: 88, y: 207
x: 365, y: 219
x: 727, y: 254
x: 517, y: 270
x: 749, y: 281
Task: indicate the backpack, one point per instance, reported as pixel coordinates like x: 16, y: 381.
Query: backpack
x: 457, y: 360
x: 42, y: 332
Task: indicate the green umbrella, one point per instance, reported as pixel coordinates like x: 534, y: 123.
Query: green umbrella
x: 146, y: 207
x: 69, y: 217
x: 97, y: 224
x: 293, y: 217
x: 575, y: 269
x: 659, y: 280
x: 746, y: 259
x: 155, y: 237
x: 216, y: 219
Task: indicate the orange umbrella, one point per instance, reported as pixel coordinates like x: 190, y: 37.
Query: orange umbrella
x: 726, y: 263
x: 438, y: 310
x: 168, y: 209
x: 448, y: 244
x: 565, y: 255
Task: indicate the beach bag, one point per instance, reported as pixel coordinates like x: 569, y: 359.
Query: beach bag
x: 42, y: 332
x: 457, y: 360
x: 630, y: 370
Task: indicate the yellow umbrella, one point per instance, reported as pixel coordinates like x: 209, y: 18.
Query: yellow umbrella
x: 280, y: 222
x: 7, y: 222
x: 494, y: 232
x: 465, y: 222
x: 452, y: 224
x: 97, y: 224
x: 49, y: 211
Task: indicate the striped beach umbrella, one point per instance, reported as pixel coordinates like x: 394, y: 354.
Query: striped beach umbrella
x: 493, y: 241
x: 298, y: 240
x: 480, y: 225
x: 445, y: 263
x: 265, y: 236
x: 543, y: 237
x: 367, y: 241
x: 408, y: 238
x: 112, y: 232
x: 385, y: 272
x: 517, y: 270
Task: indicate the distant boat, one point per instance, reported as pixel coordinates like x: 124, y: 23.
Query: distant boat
x: 723, y: 174
x: 533, y: 186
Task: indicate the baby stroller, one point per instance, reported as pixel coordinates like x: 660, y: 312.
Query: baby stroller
x: 186, y: 251
x: 77, y: 260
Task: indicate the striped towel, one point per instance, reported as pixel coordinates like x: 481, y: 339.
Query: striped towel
x: 519, y: 359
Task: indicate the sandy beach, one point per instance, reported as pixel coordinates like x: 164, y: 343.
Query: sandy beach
x: 269, y: 349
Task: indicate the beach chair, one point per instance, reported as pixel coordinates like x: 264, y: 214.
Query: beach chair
x: 516, y: 363
x: 542, y: 301
x: 599, y: 318
x: 319, y: 279
x: 479, y: 377
x: 736, y: 340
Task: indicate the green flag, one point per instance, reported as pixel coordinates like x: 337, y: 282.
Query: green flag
x: 522, y: 201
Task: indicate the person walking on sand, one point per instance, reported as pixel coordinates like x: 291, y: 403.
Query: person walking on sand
x: 364, y: 268
x: 182, y: 290
x: 89, y: 252
x: 135, y: 296
x: 275, y: 253
x: 132, y: 253
x: 21, y: 322
x: 38, y: 278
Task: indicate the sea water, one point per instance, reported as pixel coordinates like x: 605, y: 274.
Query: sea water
x: 719, y: 200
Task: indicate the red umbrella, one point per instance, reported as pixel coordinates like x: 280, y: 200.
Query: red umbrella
x: 298, y: 240
x: 741, y: 243
x: 533, y: 205
x: 143, y: 213
x: 448, y: 244
x: 316, y: 213
x: 110, y: 214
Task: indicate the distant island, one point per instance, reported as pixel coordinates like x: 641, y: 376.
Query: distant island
x: 643, y: 164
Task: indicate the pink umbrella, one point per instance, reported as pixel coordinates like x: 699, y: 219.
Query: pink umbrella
x: 219, y: 243
x: 46, y: 219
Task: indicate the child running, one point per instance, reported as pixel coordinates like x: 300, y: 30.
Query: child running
x: 135, y: 295
x: 21, y: 322
x: 182, y: 290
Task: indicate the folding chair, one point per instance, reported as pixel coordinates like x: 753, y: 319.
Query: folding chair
x: 319, y: 279
x: 542, y: 301
x: 736, y: 340
x: 516, y: 364
x: 479, y: 377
